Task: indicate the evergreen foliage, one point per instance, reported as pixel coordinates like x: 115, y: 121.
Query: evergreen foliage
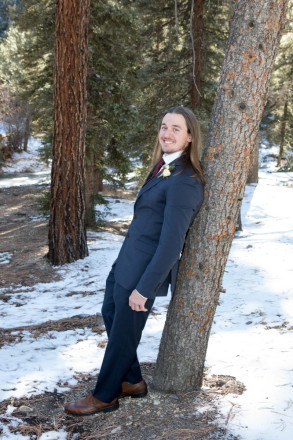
x: 5, y: 6
x: 279, y: 111
x: 27, y: 69
x: 167, y: 71
x: 140, y: 63
x: 112, y: 83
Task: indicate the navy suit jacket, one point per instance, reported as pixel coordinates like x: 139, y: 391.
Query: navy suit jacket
x: 164, y: 210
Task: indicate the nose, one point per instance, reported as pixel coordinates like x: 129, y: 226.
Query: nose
x: 167, y: 133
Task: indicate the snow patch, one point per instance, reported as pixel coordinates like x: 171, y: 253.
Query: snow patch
x: 5, y: 257
x: 27, y: 161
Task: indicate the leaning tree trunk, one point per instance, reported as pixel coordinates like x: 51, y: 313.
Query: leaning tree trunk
x: 67, y: 234
x: 252, y: 45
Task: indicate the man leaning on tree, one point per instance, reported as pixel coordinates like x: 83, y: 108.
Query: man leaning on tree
x: 148, y: 261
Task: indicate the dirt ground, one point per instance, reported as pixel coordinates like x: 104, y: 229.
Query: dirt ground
x: 23, y: 233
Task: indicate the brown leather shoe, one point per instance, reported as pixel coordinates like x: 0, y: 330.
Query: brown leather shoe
x: 136, y: 390
x: 90, y: 405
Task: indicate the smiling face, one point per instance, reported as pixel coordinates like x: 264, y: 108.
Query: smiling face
x: 173, y: 134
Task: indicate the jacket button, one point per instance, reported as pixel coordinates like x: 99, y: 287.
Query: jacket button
x: 127, y: 235
x: 134, y: 216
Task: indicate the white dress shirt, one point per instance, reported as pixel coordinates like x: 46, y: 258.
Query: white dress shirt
x: 168, y: 158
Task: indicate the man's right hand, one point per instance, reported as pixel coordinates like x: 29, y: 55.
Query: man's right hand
x: 137, y: 302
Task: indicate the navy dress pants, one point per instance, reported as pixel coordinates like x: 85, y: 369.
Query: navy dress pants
x: 124, y: 328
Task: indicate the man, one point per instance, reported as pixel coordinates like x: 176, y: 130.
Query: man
x: 148, y: 260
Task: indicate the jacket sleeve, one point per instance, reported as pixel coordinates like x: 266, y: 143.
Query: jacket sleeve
x: 183, y: 201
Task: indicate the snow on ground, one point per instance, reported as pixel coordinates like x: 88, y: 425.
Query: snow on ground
x: 5, y: 257
x: 27, y: 161
x: 36, y: 178
x: 251, y: 337
x: 121, y: 210
x: 26, y: 167
x: 252, y: 332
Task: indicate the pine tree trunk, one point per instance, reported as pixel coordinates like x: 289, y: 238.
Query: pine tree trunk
x: 94, y: 184
x: 242, y: 90
x: 27, y: 127
x: 67, y: 234
x: 253, y: 163
x: 197, y: 51
x: 283, y: 132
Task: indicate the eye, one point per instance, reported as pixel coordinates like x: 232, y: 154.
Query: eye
x: 176, y: 129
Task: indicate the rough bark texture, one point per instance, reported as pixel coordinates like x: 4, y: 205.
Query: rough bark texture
x: 283, y: 132
x: 253, y: 163
x: 242, y: 90
x: 197, y: 50
x: 93, y: 184
x: 67, y: 234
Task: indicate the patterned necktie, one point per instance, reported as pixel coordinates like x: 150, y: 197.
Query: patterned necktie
x: 155, y: 171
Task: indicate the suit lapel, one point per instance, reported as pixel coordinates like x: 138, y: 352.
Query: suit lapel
x: 157, y: 179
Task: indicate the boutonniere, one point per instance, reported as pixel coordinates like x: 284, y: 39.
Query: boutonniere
x: 166, y: 170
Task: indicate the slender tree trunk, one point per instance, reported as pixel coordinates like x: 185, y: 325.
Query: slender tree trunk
x: 94, y: 184
x: 242, y: 90
x: 67, y: 234
x: 27, y: 127
x: 283, y: 132
x: 197, y: 51
x: 253, y: 163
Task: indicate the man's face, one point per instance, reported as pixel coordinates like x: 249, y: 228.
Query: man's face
x: 173, y: 134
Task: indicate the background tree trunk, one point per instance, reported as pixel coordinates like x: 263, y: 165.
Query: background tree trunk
x: 94, y: 184
x: 197, y: 51
x: 242, y: 90
x: 283, y: 131
x: 67, y: 234
x: 253, y: 163
x: 27, y: 126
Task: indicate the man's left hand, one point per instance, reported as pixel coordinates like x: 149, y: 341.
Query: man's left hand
x: 137, y: 302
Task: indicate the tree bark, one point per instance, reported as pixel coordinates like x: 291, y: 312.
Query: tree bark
x: 241, y: 95
x: 67, y: 233
x: 283, y: 132
x: 197, y: 51
x: 27, y: 126
x: 253, y: 163
x: 94, y: 184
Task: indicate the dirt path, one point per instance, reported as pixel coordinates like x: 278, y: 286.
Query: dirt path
x: 23, y: 235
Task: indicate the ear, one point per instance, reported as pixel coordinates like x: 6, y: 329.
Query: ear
x: 189, y: 138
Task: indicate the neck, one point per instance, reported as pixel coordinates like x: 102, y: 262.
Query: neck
x: 169, y: 157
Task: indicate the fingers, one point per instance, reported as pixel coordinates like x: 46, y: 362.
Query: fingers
x: 137, y: 302
x: 137, y: 307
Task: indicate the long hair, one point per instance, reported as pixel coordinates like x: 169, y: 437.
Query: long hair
x: 191, y: 154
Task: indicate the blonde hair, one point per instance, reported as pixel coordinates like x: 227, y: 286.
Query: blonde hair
x: 191, y: 154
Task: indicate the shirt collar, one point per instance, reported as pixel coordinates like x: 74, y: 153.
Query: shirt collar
x: 168, y: 158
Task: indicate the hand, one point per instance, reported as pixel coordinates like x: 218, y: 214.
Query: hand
x: 137, y: 302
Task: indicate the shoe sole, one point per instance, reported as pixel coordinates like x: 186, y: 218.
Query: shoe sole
x: 135, y: 396
x: 107, y: 409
